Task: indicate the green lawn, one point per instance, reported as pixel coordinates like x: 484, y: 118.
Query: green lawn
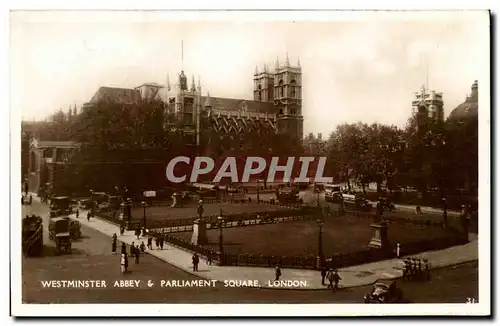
x: 340, y: 235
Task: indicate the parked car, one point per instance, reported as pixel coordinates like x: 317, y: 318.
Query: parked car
x: 356, y: 202
x: 384, y: 292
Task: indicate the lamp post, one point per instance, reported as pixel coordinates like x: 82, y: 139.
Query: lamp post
x: 122, y: 215
x: 221, y: 243
x: 92, y: 201
x: 317, y: 199
x: 258, y: 191
x: 221, y: 222
x: 144, y: 204
x: 445, y: 212
x: 319, y: 259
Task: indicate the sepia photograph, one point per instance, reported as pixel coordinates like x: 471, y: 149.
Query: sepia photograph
x: 316, y: 161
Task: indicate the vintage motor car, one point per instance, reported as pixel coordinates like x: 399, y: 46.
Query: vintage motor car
x: 384, y: 291
x: 386, y: 203
x: 356, y: 202
x: 60, y: 205
x: 288, y: 195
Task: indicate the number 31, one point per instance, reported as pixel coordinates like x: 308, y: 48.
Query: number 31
x: 471, y: 300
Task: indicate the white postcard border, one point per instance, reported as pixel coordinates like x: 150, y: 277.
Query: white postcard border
x: 482, y: 308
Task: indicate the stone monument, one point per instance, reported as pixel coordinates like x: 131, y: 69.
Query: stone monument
x: 380, y: 239
x: 199, y: 236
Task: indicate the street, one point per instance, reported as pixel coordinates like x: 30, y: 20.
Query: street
x: 92, y: 260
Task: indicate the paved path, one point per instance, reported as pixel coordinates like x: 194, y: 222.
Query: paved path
x: 351, y: 276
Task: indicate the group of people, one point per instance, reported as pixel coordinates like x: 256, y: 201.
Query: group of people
x: 135, y: 252
x: 332, y: 276
x: 415, y: 269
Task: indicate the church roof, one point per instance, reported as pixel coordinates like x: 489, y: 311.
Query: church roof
x: 117, y: 95
x: 233, y: 104
x: 241, y: 124
x: 469, y: 108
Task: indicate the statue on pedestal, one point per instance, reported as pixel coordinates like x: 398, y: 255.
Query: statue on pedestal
x: 199, y: 236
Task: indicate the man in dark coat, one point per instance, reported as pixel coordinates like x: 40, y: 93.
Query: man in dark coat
x: 196, y: 261
x: 137, y: 254
x: 323, y: 275
x: 113, y: 245
x: 277, y: 273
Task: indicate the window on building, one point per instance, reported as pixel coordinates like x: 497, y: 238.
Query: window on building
x: 293, y: 85
x: 259, y: 93
x: 280, y: 88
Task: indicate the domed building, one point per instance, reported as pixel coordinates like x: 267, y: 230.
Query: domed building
x: 468, y: 109
x: 462, y: 132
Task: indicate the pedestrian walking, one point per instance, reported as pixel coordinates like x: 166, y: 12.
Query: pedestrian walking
x: 88, y: 216
x: 323, y: 275
x: 123, y: 263
x: 157, y: 242
x: 143, y: 247
x: 150, y: 243
x: 137, y: 254
x: 397, y: 250
x: 126, y: 262
x: 138, y: 232
x: 277, y: 273
x: 336, y: 279
x: 196, y: 261
x: 31, y: 199
x: 161, y: 242
x: 77, y: 213
x: 22, y: 200
x: 113, y: 245
x: 124, y: 248
x: 209, y: 259
x: 132, y: 249
x: 329, y: 276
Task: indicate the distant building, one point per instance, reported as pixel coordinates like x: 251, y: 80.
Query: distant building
x: 428, y: 106
x: 469, y: 108
x: 219, y: 124
x: 44, y: 156
x: 314, y: 146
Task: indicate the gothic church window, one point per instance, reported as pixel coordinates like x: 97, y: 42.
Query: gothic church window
x: 259, y: 95
x: 293, y: 84
x: 280, y: 88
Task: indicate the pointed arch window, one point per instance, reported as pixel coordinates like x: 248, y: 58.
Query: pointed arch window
x: 259, y: 93
x: 280, y: 88
x: 293, y: 85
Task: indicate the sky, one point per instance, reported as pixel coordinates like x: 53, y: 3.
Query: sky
x: 356, y: 67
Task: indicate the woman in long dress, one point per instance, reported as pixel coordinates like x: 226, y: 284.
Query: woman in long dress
x: 123, y: 261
